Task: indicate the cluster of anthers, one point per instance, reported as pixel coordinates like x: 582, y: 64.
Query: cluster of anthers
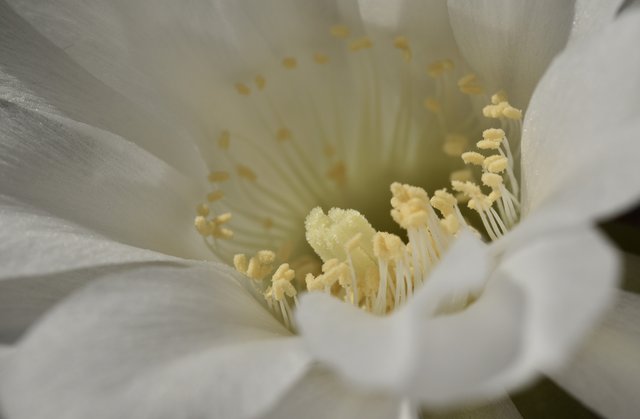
x: 379, y: 271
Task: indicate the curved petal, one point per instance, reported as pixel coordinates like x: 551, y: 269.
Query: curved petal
x: 591, y: 16
x: 569, y: 280
x: 98, y: 180
x: 320, y: 394
x: 154, y: 343
x: 605, y: 375
x: 577, y: 146
x: 40, y: 75
x: 511, y: 43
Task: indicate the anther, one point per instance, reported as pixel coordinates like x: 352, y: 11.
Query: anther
x: 289, y: 63
x: 261, y: 82
x: 512, y: 113
x: 224, y: 140
x: 202, y: 226
x: 320, y: 58
x: 493, y: 134
x: 472, y: 157
x: 246, y: 173
x: 462, y: 175
x: 495, y: 163
x: 438, y: 68
x: 283, y: 135
x: 243, y: 89
x: 215, y: 196
x: 432, y: 104
x: 360, y: 44
x: 470, y: 85
x: 492, y: 180
x: 340, y: 31
x: 402, y: 43
x: 454, y: 144
x: 218, y: 176
x: 488, y: 145
x: 202, y: 209
x: 387, y: 246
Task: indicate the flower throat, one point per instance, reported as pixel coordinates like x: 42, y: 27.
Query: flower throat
x: 374, y: 270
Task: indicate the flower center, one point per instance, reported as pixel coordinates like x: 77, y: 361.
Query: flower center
x: 333, y: 131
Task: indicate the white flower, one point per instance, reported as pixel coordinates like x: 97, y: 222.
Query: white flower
x: 115, y: 113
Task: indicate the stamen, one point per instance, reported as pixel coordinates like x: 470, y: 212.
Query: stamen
x: 289, y: 63
x: 360, y: 44
x: 243, y: 89
x: 340, y: 31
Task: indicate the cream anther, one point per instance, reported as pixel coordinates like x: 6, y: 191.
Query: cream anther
x: 360, y: 44
x: 241, y: 263
x: 258, y: 267
x: 202, y: 209
x: 281, y: 282
x: 283, y: 135
x: 438, y: 68
x: 455, y: 144
x: 472, y: 157
x: 462, y: 175
x: 493, y: 134
x: 443, y: 201
x: 432, y: 104
x: 492, y: 180
x: 500, y: 96
x: 289, y: 63
x: 246, y: 173
x: 340, y: 31
x: 402, y: 43
x: 215, y: 196
x: 512, y: 113
x: 387, y: 246
x: 338, y: 173
x: 218, y: 176
x: 243, y: 89
x: 410, y: 206
x: 202, y: 225
x: 488, y: 145
x: 470, y: 85
x: 496, y: 163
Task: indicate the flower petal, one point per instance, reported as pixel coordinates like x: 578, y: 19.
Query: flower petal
x: 578, y: 146
x: 40, y: 75
x: 569, y: 280
x: 431, y: 359
x: 591, y: 16
x: 154, y: 343
x: 97, y: 180
x: 321, y: 394
x: 511, y: 43
x: 605, y: 375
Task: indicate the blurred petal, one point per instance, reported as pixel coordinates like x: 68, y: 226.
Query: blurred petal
x: 98, y: 180
x: 321, y: 394
x: 510, y: 43
x: 578, y: 146
x: 154, y: 343
x: 605, y: 375
x: 591, y: 16
x: 40, y: 75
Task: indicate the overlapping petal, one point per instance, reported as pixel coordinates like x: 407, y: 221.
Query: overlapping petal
x: 167, y: 343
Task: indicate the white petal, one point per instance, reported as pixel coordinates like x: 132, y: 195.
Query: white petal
x: 40, y: 75
x: 580, y: 133
x: 97, y: 180
x: 510, y: 43
x: 412, y: 352
x: 591, y: 16
x: 569, y: 280
x: 605, y: 375
x: 154, y: 343
x: 321, y: 395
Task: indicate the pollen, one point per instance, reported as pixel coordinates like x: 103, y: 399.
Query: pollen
x: 439, y: 68
x: 470, y: 85
x: 320, y: 58
x: 361, y: 44
x: 283, y: 135
x: 243, y: 89
x: 261, y: 82
x: 289, y: 63
x: 245, y: 172
x: 218, y: 176
x: 224, y: 140
x: 340, y: 31
x: 402, y: 43
x: 472, y: 157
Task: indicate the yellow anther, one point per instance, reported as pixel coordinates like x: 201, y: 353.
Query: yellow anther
x: 402, y: 43
x: 219, y: 176
x: 492, y: 180
x: 289, y: 63
x: 215, y: 196
x: 222, y: 218
x: 202, y: 225
x: 338, y: 173
x: 410, y: 205
x: 438, y: 68
x: 494, y: 196
x: 281, y: 283
x: 241, y: 263
x: 314, y: 283
x: 261, y: 82
x: 470, y: 85
x: 329, y: 150
x: 320, y: 58
x: 443, y: 201
x: 496, y: 163
x: 260, y: 265
x: 451, y: 224
x: 340, y: 31
x: 493, y: 111
x: 267, y: 223
x: 468, y: 188
x: 463, y: 175
x: 455, y: 144
x: 512, y: 113
x: 243, y: 89
x: 202, y: 209
x: 472, y: 157
x: 283, y: 135
x: 500, y: 96
x: 488, y: 145
x: 222, y: 233
x: 432, y: 104
x: 224, y: 140
x: 387, y: 246
x: 493, y: 134
x: 360, y: 44
x: 246, y: 173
